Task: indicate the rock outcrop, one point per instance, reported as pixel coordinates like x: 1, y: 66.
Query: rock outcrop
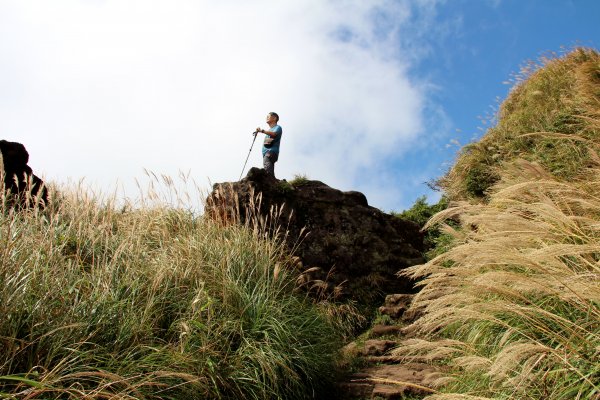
x: 342, y: 243
x: 19, y: 180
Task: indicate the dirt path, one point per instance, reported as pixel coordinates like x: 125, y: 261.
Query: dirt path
x: 378, y: 374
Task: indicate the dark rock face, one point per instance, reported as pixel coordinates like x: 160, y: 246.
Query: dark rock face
x: 18, y: 175
x: 343, y: 240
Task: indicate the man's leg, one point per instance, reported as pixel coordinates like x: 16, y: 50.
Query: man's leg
x: 269, y: 163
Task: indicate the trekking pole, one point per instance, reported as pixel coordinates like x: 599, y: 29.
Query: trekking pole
x: 255, y: 134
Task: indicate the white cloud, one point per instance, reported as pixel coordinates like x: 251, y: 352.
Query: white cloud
x: 103, y: 89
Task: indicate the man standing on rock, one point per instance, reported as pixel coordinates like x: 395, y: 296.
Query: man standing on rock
x: 270, y: 149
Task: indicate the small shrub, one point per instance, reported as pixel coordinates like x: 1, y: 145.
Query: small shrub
x: 420, y: 213
x: 478, y: 180
x: 299, y: 179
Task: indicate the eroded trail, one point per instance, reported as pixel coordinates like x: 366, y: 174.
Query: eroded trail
x: 377, y: 371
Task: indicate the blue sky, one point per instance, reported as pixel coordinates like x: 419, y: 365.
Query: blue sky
x: 373, y: 96
x: 471, y: 61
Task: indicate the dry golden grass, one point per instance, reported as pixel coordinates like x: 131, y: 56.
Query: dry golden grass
x: 514, y: 306
x: 152, y: 301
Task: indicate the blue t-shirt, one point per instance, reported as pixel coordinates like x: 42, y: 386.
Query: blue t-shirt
x: 275, y: 147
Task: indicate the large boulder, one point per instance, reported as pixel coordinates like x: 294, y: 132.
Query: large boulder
x: 347, y: 246
x: 19, y: 180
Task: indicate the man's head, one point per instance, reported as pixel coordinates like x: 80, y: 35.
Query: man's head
x: 272, y: 118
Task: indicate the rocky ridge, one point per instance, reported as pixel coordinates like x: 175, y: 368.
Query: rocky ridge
x: 341, y: 241
x: 19, y: 180
x: 347, y: 246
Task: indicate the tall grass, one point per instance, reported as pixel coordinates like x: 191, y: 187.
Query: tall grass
x: 514, y: 305
x: 107, y: 301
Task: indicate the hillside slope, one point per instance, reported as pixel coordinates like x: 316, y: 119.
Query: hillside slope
x: 550, y: 117
x: 513, y: 306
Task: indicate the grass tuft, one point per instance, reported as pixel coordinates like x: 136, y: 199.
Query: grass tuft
x: 299, y: 180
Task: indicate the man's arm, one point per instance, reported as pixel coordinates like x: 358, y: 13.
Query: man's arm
x: 270, y: 133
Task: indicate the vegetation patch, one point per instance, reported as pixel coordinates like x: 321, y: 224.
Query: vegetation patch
x: 512, y: 301
x: 420, y: 213
x: 549, y: 118
x: 107, y: 302
x: 299, y: 179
